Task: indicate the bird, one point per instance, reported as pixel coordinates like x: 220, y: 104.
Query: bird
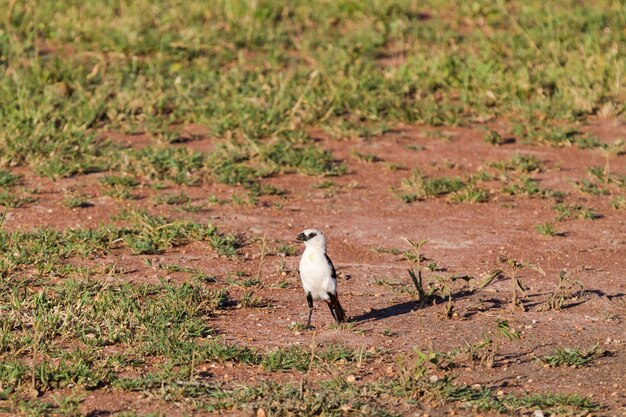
x: 318, y: 276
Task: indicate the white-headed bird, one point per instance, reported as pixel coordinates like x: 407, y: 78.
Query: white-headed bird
x: 318, y: 275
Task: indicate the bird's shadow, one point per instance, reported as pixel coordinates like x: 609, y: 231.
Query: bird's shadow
x: 406, y: 307
x: 386, y: 312
x: 413, y: 305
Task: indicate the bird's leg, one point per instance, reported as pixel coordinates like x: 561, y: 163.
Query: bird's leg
x: 309, y: 300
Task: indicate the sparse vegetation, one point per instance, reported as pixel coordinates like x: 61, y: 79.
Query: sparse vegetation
x: 546, y: 229
x: 76, y: 202
x: 13, y: 200
x: 171, y: 119
x: 619, y: 202
x: 574, y: 357
x: 588, y: 187
x: 418, y: 187
x: 517, y: 287
x: 493, y: 137
x: 567, y: 212
x: 423, y: 291
x: 365, y: 157
x: 521, y: 163
x: 529, y: 187
x: 563, y: 292
x: 7, y: 179
x: 470, y: 195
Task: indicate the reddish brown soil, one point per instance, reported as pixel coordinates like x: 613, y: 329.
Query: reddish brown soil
x: 360, y: 214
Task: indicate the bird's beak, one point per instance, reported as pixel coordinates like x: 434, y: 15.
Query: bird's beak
x: 301, y: 237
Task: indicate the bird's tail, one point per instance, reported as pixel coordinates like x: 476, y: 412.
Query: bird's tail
x: 336, y: 310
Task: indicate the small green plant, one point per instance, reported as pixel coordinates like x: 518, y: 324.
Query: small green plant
x: 504, y: 329
x: 365, y: 157
x: 249, y: 300
x: 572, y: 357
x: 121, y: 193
x: 470, y: 194
x: 442, y: 186
x: 281, y: 284
x: 387, y: 332
x: 563, y: 292
x: 8, y: 180
x: 393, y: 251
x: 567, y: 212
x: 517, y: 287
x: 382, y: 282
x: 324, y: 184
x: 492, y: 137
x: 530, y: 187
x: 173, y: 199
x: 13, y: 200
x: 297, y: 327
x: 619, y: 202
x: 587, y: 187
x: 424, y: 293
x: 484, y: 352
x: 119, y: 181
x: 119, y: 187
x: 418, y: 187
x: 432, y: 266
x: 600, y: 174
x: 546, y: 229
x: 286, y: 250
x: 557, y: 135
x: 226, y: 244
x: 76, y: 202
x: 69, y: 405
x: 521, y: 163
x: 395, y: 167
x: 589, y: 142
x: 446, y: 288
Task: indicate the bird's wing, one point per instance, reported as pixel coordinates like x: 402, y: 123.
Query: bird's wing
x: 333, y: 273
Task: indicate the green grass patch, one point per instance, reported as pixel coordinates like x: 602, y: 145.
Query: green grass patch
x: 45, y: 251
x: 568, y: 212
x: 418, y: 187
x: 546, y: 229
x: 76, y: 202
x: 7, y: 179
x: 521, y: 163
x: 573, y: 357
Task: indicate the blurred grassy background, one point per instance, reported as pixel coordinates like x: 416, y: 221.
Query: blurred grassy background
x: 269, y: 70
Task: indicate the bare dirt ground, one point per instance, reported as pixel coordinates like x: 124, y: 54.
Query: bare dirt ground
x: 360, y: 214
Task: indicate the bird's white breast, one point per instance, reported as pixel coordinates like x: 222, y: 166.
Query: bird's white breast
x: 316, y: 275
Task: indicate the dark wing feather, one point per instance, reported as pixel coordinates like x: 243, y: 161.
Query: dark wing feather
x: 333, y: 273
x: 335, y: 308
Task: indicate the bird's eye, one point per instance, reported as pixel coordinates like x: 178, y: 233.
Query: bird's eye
x: 312, y: 235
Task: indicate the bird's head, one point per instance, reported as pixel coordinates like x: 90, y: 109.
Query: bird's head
x: 313, y: 238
